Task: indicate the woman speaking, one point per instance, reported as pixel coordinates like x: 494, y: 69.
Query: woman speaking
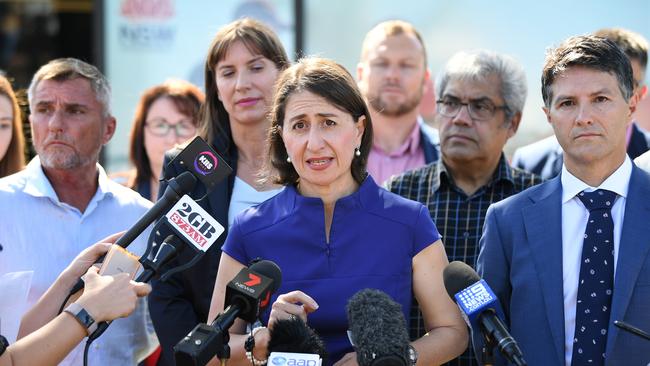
x: 332, y: 230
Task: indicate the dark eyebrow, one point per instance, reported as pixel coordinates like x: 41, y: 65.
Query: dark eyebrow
x: 254, y: 59
x: 303, y: 115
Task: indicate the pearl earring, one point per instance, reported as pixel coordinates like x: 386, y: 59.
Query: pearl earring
x: 288, y: 159
x: 357, y: 152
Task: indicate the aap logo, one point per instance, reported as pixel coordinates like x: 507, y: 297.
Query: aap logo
x: 279, y: 361
x: 205, y: 163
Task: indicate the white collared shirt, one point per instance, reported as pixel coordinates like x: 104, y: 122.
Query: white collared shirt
x: 574, y: 223
x: 39, y: 233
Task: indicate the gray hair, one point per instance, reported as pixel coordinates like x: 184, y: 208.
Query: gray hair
x: 480, y: 64
x: 63, y: 69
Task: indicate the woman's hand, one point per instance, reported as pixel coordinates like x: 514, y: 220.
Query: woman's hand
x: 292, y: 304
x: 79, y: 266
x: 350, y: 359
x: 110, y: 297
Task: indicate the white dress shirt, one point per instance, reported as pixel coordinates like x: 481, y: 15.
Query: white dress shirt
x: 574, y: 223
x: 39, y: 233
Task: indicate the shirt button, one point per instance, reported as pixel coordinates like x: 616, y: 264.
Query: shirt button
x: 466, y: 234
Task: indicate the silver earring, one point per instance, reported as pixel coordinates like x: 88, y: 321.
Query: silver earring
x: 288, y: 159
x: 357, y: 152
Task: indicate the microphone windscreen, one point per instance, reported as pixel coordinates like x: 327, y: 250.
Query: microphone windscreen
x: 458, y: 276
x: 378, y: 329
x: 268, y: 269
x: 294, y: 336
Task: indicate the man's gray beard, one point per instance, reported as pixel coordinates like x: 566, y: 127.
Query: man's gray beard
x: 65, y: 161
x: 402, y: 109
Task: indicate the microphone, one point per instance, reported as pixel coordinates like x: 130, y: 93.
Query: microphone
x: 203, y: 164
x: 479, y: 307
x: 378, y: 330
x: 294, y: 336
x: 246, y: 296
x: 632, y: 329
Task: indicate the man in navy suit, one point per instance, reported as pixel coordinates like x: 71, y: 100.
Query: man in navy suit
x: 532, y: 245
x: 544, y: 157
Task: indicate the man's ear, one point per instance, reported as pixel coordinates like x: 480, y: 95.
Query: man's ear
x: 514, y: 124
x: 547, y: 112
x: 109, y: 129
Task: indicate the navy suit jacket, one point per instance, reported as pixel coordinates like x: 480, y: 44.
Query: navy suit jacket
x: 521, y: 260
x: 544, y: 157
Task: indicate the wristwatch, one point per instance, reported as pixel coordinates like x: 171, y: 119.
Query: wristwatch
x: 82, y: 317
x: 413, y: 355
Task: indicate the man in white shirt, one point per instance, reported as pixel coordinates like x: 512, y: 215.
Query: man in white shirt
x: 63, y: 202
x: 569, y: 257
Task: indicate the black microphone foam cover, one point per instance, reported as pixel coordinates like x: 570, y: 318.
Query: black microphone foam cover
x: 268, y: 269
x: 458, y: 276
x: 378, y: 328
x: 293, y: 335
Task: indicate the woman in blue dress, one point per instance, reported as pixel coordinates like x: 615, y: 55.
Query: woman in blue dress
x: 332, y: 230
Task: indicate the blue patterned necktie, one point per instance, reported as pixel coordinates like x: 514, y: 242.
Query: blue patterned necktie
x: 596, y: 280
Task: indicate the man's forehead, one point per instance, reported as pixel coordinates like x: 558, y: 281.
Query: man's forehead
x: 474, y: 88
x: 76, y: 90
x: 380, y: 43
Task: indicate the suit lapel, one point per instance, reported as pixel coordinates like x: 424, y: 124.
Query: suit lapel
x: 543, y: 223
x: 633, y: 248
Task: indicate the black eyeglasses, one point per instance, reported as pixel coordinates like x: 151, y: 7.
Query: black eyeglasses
x: 480, y: 109
x: 160, y: 127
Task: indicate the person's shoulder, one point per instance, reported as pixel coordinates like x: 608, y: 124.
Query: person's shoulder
x: 526, y: 197
x: 536, y: 151
x: 127, y: 197
x: 643, y: 161
x: 13, y: 183
x: 524, y: 179
x: 394, y: 207
x: 265, y: 214
x: 412, y: 178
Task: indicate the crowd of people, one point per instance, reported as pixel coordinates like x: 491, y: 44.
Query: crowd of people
x: 339, y: 181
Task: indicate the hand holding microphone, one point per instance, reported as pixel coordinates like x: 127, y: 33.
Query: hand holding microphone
x: 110, y: 297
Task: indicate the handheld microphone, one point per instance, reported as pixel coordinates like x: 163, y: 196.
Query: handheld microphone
x: 203, y: 164
x: 632, y: 329
x: 480, y: 307
x: 246, y: 296
x: 378, y: 330
x: 295, y: 337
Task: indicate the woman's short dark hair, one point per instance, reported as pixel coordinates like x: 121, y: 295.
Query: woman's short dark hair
x: 588, y: 51
x: 258, y: 39
x: 186, y: 97
x: 331, y: 81
x: 14, y: 159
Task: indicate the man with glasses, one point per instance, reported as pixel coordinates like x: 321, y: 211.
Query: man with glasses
x: 545, y: 157
x: 392, y: 75
x: 482, y: 95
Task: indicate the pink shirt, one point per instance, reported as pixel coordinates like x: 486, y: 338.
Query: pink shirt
x: 409, y: 155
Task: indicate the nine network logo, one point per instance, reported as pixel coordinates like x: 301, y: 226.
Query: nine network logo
x: 475, y: 296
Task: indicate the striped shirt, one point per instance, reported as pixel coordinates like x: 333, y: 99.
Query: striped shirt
x: 458, y: 217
